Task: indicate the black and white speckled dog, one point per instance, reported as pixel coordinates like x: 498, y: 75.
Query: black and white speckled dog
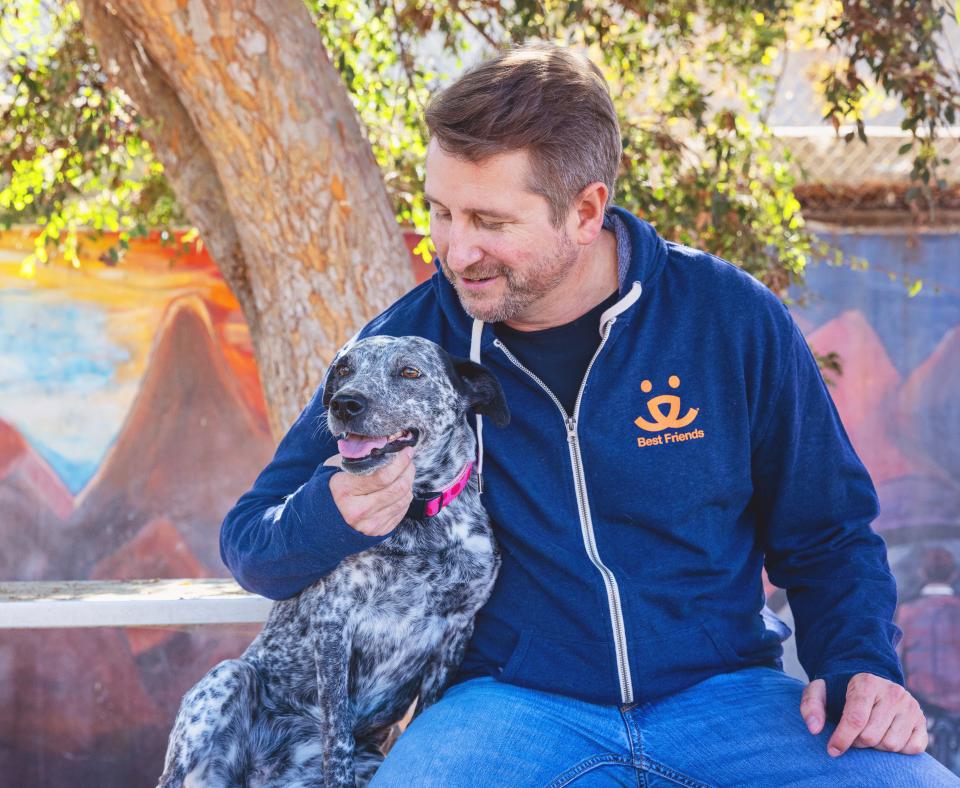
x: 313, y: 698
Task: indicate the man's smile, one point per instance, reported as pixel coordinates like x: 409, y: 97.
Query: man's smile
x: 478, y: 284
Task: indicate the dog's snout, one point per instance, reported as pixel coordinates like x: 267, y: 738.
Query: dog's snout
x: 346, y: 406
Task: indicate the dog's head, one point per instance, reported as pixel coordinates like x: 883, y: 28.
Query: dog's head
x: 385, y: 393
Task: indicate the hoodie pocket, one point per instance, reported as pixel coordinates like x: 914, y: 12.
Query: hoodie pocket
x: 692, y: 651
x: 516, y: 656
x: 583, y: 669
x: 726, y: 651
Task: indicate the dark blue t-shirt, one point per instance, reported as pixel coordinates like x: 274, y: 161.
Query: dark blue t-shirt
x: 559, y: 356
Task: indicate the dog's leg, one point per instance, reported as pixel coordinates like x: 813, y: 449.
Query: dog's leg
x: 438, y: 672
x: 332, y: 651
x: 208, y: 742
x: 368, y: 757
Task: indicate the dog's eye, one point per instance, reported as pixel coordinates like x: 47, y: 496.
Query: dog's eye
x: 410, y: 372
x: 343, y: 370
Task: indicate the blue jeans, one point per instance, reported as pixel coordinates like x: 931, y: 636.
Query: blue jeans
x: 741, y: 728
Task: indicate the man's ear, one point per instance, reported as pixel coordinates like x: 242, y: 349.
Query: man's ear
x: 481, y: 390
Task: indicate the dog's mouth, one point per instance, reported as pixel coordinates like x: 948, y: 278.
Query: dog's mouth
x: 355, y: 448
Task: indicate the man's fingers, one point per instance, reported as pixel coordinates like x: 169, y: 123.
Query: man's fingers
x: 813, y: 705
x: 353, y: 485
x: 375, y: 504
x: 898, y: 734
x: 385, y: 474
x: 879, y: 713
x: 856, y: 715
x: 395, y: 515
x: 397, y: 494
x: 918, y: 740
x: 878, y: 727
x: 385, y: 498
x: 893, y: 720
x: 389, y: 517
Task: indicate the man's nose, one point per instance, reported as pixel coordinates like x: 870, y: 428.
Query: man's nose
x: 463, y: 250
x: 345, y: 406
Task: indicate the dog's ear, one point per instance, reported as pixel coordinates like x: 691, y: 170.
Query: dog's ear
x: 481, y: 390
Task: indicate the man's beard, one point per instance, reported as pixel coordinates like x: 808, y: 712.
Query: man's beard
x: 522, y: 290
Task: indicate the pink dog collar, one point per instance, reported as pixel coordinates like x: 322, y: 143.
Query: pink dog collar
x: 431, y: 503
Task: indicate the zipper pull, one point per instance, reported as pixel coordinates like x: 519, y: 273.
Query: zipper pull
x: 571, y: 428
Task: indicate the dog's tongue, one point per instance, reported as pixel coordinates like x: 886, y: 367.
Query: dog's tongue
x: 354, y: 447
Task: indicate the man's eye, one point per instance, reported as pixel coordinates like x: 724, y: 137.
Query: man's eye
x: 342, y: 371
x: 491, y: 225
x: 410, y: 372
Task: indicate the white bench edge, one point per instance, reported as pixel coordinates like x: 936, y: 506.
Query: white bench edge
x: 127, y: 603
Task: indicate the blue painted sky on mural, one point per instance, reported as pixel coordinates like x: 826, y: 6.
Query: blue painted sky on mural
x: 57, y: 379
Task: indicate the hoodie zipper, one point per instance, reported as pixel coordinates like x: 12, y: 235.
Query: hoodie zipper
x: 586, y: 522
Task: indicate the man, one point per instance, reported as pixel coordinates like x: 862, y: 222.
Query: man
x: 930, y: 623
x: 670, y: 431
x: 930, y: 650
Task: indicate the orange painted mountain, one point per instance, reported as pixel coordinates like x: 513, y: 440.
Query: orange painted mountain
x: 187, y: 450
x: 34, y: 505
x: 157, y: 550
x: 928, y: 412
x: 74, y: 710
x: 866, y: 394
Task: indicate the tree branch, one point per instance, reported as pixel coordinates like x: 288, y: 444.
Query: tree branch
x: 186, y: 160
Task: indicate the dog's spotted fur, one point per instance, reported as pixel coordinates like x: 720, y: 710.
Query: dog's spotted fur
x: 313, y: 698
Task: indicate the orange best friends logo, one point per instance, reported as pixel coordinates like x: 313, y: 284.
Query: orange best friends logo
x: 665, y: 415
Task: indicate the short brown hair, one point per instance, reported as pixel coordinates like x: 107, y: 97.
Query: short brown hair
x: 939, y: 565
x: 550, y: 101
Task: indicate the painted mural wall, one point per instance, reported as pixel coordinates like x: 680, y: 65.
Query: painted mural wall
x: 131, y: 419
x: 130, y: 416
x: 899, y: 398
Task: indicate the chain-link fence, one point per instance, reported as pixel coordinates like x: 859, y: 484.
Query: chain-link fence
x: 855, y: 181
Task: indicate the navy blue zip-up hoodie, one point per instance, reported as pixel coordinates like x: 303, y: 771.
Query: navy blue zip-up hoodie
x: 633, y: 531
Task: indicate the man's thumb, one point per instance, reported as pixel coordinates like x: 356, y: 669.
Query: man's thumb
x: 813, y: 705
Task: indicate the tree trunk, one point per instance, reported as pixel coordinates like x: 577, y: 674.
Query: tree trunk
x: 266, y: 154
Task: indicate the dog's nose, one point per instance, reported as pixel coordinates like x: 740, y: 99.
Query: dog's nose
x: 346, y: 406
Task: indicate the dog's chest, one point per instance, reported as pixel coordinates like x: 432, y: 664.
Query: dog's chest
x: 407, y: 604
x: 399, y: 628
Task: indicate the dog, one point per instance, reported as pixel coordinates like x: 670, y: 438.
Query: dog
x: 313, y: 699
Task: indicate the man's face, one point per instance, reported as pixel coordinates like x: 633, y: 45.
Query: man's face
x: 493, y: 236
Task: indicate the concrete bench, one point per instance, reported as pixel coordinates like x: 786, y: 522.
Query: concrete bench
x: 127, y: 603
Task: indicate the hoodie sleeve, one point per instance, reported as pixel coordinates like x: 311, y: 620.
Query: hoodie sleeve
x: 815, y: 501
x: 286, y: 532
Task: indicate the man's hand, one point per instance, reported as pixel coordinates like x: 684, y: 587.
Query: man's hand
x: 877, y: 713
x: 374, y: 505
